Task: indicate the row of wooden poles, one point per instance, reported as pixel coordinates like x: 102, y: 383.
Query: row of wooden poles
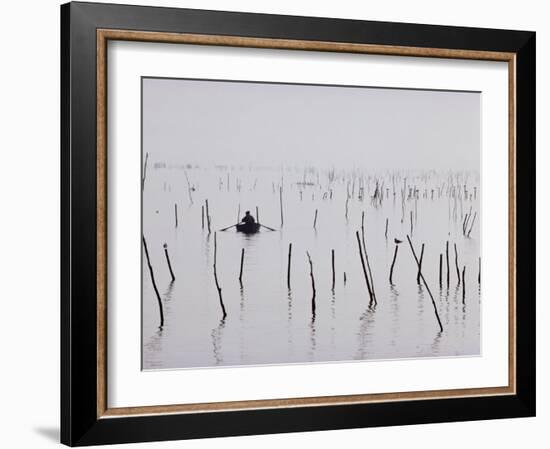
x: 365, y: 264
x: 451, y: 191
x: 466, y: 229
x: 467, y: 224
x: 362, y: 253
x: 451, y: 188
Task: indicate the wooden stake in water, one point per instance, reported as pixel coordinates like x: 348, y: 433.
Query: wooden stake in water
x: 176, y: 213
x: 386, y: 233
x: 202, y: 217
x: 393, y: 263
x: 426, y: 285
x: 168, y: 262
x: 479, y: 271
x: 333, y: 271
x: 472, y: 225
x: 367, y: 256
x: 207, y: 215
x: 447, y: 257
x: 281, y: 203
x: 345, y: 278
x: 242, y: 263
x: 363, y: 265
x: 238, y: 214
x: 466, y: 221
x: 224, y: 314
x: 154, y: 283
x: 440, y: 267
x: 420, y: 264
x: 257, y: 214
x: 456, y: 265
x: 289, y: 264
x: 144, y: 171
x: 313, y: 307
x: 315, y: 220
x: 463, y: 285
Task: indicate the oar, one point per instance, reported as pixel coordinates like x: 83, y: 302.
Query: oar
x: 229, y: 227
x: 267, y: 227
x: 225, y: 229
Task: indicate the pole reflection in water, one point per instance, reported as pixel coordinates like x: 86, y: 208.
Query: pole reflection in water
x: 394, y: 307
x: 365, y: 326
x: 290, y: 336
x: 312, y: 339
x: 217, y: 335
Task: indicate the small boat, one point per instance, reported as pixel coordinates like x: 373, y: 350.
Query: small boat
x: 248, y: 228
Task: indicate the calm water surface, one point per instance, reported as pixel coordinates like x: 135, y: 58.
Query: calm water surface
x: 269, y: 323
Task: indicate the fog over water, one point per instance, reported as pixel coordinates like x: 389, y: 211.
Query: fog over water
x: 407, y: 158
x: 260, y: 124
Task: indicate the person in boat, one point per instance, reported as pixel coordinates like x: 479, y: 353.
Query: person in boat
x: 248, y: 219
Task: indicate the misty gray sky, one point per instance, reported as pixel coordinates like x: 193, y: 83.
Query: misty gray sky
x: 224, y: 122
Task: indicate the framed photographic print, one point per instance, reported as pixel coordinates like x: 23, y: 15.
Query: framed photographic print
x: 277, y: 224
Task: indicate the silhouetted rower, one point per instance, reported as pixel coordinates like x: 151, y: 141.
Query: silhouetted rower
x: 248, y: 219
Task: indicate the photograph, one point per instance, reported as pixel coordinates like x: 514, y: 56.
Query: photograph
x: 302, y: 223
x: 281, y: 222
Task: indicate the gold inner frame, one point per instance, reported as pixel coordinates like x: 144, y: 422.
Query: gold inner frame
x: 104, y: 35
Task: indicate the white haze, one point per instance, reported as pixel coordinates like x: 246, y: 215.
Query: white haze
x: 263, y: 124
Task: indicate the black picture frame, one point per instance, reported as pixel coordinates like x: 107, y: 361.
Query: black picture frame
x: 80, y: 423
